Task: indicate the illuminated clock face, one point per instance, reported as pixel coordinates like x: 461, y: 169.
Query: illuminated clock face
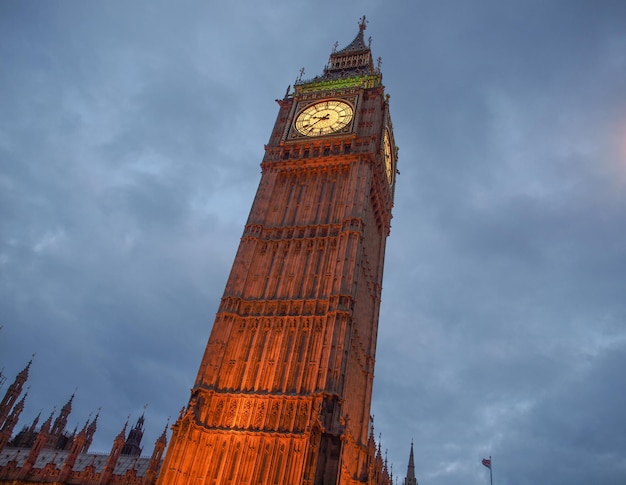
x: 324, y: 118
x: 388, y: 156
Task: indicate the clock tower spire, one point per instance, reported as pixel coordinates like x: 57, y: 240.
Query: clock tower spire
x: 283, y: 392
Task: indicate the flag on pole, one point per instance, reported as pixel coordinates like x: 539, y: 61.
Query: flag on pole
x: 487, y: 462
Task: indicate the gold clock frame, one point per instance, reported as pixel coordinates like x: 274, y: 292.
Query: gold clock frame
x: 324, y: 117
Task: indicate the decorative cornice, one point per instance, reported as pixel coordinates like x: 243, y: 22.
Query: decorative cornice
x: 341, y: 82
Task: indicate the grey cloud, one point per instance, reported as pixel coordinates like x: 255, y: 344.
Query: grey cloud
x: 130, y: 143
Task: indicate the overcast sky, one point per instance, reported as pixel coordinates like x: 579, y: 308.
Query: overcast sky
x: 131, y: 135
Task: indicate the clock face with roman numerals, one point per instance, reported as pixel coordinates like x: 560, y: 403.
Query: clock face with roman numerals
x: 388, y: 156
x: 324, y: 118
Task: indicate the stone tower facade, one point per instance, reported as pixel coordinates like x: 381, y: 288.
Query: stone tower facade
x: 284, y: 389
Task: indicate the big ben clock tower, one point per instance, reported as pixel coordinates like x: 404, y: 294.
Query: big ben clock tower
x: 284, y: 389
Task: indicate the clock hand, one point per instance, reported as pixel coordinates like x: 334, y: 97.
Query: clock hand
x: 310, y: 127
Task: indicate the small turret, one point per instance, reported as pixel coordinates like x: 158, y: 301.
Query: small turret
x: 13, y: 393
x: 33, y: 425
x: 155, y: 460
x: 57, y: 438
x: 90, y: 431
x: 116, y: 451
x: 10, y: 422
x: 61, y: 421
x: 40, y: 442
x: 78, y: 443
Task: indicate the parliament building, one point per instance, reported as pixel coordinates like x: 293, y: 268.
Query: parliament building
x: 51, y: 454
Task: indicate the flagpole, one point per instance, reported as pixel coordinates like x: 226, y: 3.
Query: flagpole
x: 487, y: 462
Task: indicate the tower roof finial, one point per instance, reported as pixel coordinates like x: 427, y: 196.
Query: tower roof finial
x: 362, y: 23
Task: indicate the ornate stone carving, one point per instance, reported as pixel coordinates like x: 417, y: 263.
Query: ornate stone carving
x: 273, y: 419
x: 303, y: 417
x: 259, y: 415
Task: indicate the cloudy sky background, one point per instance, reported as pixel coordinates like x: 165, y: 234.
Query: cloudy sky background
x: 131, y: 135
